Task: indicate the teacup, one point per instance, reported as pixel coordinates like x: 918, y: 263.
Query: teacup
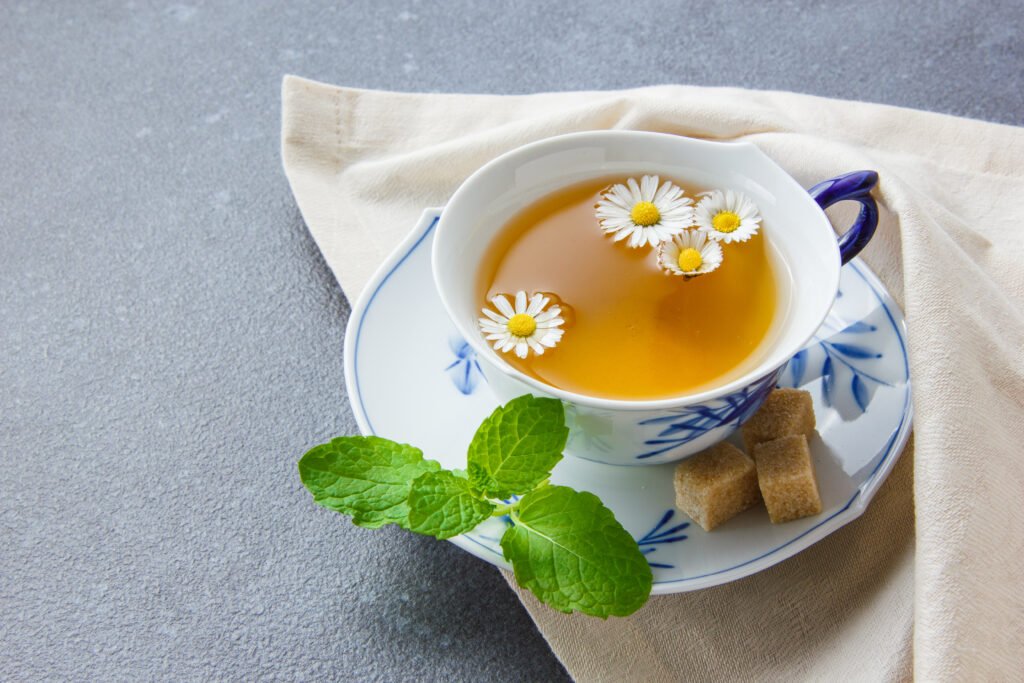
x: 808, y: 253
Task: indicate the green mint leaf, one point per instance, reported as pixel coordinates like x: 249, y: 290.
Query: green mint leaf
x: 366, y: 477
x: 570, y: 551
x: 516, y: 447
x: 442, y: 505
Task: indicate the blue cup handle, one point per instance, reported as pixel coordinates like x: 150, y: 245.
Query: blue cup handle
x: 856, y: 186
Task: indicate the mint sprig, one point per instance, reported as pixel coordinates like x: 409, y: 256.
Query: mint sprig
x: 564, y: 546
x: 568, y: 549
x: 442, y: 505
x: 365, y: 477
x: 516, y: 447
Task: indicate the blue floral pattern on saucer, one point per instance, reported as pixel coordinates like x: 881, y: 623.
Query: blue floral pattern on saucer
x: 465, y: 370
x: 848, y: 357
x: 659, y: 535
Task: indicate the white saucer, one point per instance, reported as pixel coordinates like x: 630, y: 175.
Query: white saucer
x: 412, y: 379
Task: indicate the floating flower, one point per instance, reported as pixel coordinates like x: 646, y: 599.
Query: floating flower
x: 644, y: 212
x: 727, y: 216
x: 527, y: 325
x: 690, y: 254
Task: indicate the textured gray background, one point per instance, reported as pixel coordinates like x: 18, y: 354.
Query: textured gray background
x: 170, y: 338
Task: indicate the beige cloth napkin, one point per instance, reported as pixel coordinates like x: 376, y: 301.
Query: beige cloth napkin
x: 950, y: 245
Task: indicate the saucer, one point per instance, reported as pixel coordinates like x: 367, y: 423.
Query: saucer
x: 412, y: 379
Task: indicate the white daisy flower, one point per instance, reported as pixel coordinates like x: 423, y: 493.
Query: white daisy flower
x: 727, y: 216
x: 529, y: 325
x: 644, y: 212
x: 690, y: 254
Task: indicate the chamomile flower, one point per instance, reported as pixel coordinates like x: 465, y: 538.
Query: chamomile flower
x: 690, y: 254
x: 727, y: 216
x: 524, y: 325
x: 644, y: 212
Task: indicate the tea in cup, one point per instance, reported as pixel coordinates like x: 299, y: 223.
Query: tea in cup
x: 656, y: 284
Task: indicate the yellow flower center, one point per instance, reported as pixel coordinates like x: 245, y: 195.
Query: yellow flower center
x: 726, y: 221
x: 645, y: 214
x: 522, y: 325
x: 690, y: 260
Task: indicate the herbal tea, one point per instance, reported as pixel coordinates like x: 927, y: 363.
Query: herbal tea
x: 616, y: 300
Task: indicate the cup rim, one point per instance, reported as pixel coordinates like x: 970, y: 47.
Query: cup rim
x: 475, y: 340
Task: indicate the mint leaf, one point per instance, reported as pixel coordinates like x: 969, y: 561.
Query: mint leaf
x: 515, y: 448
x: 570, y: 551
x: 366, y: 477
x: 442, y: 505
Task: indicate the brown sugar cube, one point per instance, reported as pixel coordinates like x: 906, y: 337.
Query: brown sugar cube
x: 716, y: 485
x: 785, y: 475
x: 786, y: 412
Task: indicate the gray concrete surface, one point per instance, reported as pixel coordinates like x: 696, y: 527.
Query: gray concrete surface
x: 170, y: 339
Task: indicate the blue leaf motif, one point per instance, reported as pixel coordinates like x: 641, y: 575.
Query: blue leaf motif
x: 853, y: 351
x: 465, y: 370
x: 844, y: 355
x: 661, y: 419
x: 659, y: 535
x: 859, y: 327
x: 860, y: 392
x: 687, y: 424
x: 797, y: 365
x: 827, y: 380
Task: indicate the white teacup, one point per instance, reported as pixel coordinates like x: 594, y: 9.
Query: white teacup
x: 799, y: 236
